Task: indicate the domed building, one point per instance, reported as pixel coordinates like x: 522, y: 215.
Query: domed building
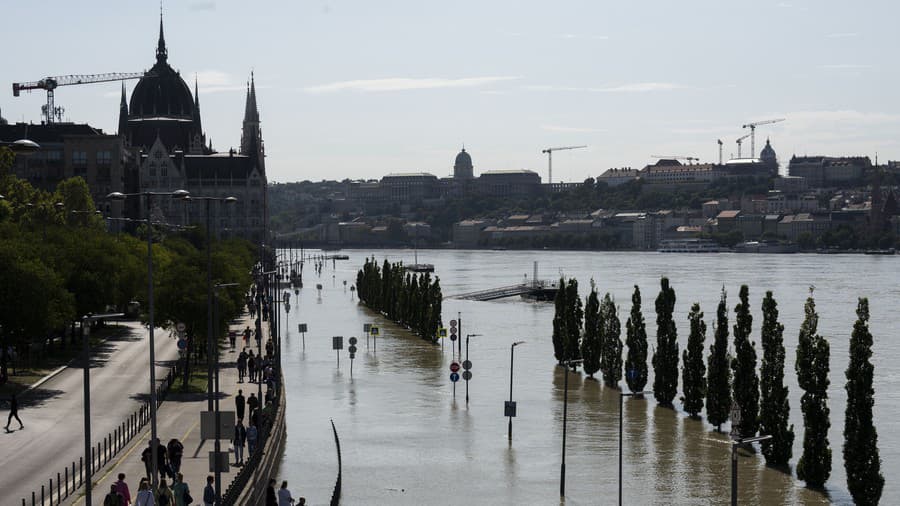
x: 767, y: 155
x: 462, y: 168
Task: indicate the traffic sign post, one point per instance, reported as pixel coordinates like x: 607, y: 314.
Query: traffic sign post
x: 301, y: 327
x: 454, y: 375
x: 375, y: 332
x: 337, y: 344
x: 352, y: 350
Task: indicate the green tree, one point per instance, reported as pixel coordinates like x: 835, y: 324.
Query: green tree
x: 861, y: 459
x: 574, y: 318
x: 591, y: 344
x: 693, y: 371
x: 743, y: 365
x: 718, y: 385
x: 636, y: 339
x: 812, y: 369
x: 775, y: 410
x: 559, y: 322
x: 665, y: 358
x: 611, y: 339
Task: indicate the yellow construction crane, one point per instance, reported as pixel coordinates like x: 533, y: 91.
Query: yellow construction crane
x: 49, y: 110
x: 549, y: 152
x: 752, y: 127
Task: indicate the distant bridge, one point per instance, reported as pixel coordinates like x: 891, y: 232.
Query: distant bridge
x: 537, y: 291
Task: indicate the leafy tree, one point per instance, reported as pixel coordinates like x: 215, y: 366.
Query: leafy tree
x: 746, y: 381
x: 665, y: 358
x: 774, y: 413
x: 718, y: 386
x: 861, y: 459
x: 611, y: 361
x: 574, y: 318
x: 636, y: 339
x: 591, y: 344
x: 812, y: 368
x: 559, y: 322
x: 693, y: 370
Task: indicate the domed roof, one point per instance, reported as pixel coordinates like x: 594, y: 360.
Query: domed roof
x: 161, y: 93
x: 767, y: 154
x: 463, y: 160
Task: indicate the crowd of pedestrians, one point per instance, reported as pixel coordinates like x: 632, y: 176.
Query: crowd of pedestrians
x: 176, y: 495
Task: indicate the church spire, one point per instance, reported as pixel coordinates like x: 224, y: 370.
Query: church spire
x: 161, y: 53
x: 251, y: 137
x: 123, y: 112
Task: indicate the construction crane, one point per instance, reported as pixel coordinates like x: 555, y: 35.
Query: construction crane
x: 690, y: 159
x: 50, y: 111
x: 720, y: 150
x: 549, y: 152
x: 752, y: 127
x: 739, y: 141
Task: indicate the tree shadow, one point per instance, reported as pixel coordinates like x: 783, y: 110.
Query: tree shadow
x: 38, y: 397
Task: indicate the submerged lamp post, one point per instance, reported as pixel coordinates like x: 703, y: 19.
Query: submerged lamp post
x: 510, y: 408
x: 562, y: 466
x: 622, y: 396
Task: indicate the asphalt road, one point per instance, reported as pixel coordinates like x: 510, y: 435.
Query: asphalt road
x: 53, y: 414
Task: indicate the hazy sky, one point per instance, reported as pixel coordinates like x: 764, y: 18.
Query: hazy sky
x: 360, y: 88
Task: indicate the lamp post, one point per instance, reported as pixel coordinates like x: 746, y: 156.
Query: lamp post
x: 734, y: 467
x: 178, y: 194
x: 511, y: 410
x: 622, y: 396
x: 23, y: 147
x: 562, y: 466
x: 468, y: 363
x: 218, y: 448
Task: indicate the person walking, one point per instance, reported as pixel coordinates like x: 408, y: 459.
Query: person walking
x: 232, y: 338
x: 14, y: 412
x: 164, y: 496
x: 180, y: 491
x: 251, y: 366
x: 209, y: 492
x: 242, y: 365
x: 271, y: 498
x: 247, y: 334
x: 252, y: 438
x: 175, y: 451
x: 113, y: 498
x: 122, y: 489
x: 239, y: 402
x: 284, y: 495
x: 144, y: 496
x: 240, y: 438
x: 253, y: 403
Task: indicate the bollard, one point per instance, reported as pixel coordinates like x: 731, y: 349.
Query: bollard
x: 32, y: 498
x: 91, y: 466
x: 80, y: 471
x: 58, y: 489
x: 42, y: 495
x: 105, y: 447
x: 51, y: 491
x: 67, y: 482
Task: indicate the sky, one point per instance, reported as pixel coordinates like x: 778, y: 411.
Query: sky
x: 361, y: 88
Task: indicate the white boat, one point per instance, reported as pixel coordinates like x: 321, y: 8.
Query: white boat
x: 692, y: 245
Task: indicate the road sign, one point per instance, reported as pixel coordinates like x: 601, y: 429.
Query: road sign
x: 509, y: 408
x: 337, y: 343
x: 467, y: 364
x: 352, y: 349
x: 454, y: 366
x: 180, y: 327
x: 454, y: 377
x: 442, y: 332
x: 467, y: 375
x: 453, y: 337
x: 453, y: 324
x: 301, y: 327
x: 367, y: 327
x: 735, y: 420
x: 352, y: 341
x: 208, y: 424
x: 374, y: 331
x: 182, y: 344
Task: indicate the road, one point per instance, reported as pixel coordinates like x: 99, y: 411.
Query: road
x: 53, y: 414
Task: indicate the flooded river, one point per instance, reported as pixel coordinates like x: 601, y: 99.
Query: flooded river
x: 407, y: 439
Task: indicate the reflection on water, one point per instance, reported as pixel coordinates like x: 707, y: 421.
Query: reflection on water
x: 407, y: 440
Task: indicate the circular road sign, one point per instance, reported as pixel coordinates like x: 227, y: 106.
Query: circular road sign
x: 453, y: 337
x: 352, y: 341
x: 452, y: 323
x: 454, y: 366
x: 352, y: 350
x: 180, y: 327
x: 467, y: 364
x: 467, y: 375
x: 182, y: 344
x: 454, y: 377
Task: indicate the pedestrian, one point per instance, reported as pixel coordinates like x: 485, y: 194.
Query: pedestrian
x: 144, y: 496
x: 301, y: 501
x: 147, y: 458
x: 209, y: 492
x: 251, y: 366
x: 162, y: 461
x: 232, y: 338
x: 240, y: 438
x: 113, y: 498
x: 239, y: 403
x: 242, y: 365
x: 247, y: 334
x: 270, y: 348
x: 253, y: 403
x: 175, y: 451
x: 164, y: 497
x: 271, y: 498
x: 252, y: 437
x: 14, y: 412
x: 122, y: 489
x: 181, y: 491
x: 284, y: 495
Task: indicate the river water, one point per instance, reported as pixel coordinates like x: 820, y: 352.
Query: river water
x: 407, y: 439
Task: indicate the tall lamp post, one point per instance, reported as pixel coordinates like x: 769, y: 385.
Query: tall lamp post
x: 734, y: 464
x: 622, y: 396
x: 562, y: 466
x: 218, y: 448
x: 511, y: 407
x: 468, y: 363
x: 178, y: 194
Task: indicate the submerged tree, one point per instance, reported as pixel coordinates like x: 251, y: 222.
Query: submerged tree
x: 574, y: 319
x: 611, y: 360
x: 591, y: 342
x: 718, y: 383
x: 861, y: 459
x: 693, y: 370
x: 665, y: 358
x: 746, y: 381
x: 636, y: 339
x: 775, y: 410
x: 559, y: 322
x: 812, y: 368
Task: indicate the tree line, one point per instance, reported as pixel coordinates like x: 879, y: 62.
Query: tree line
x: 727, y: 377
x: 410, y: 299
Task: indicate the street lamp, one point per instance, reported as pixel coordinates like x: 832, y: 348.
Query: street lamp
x: 622, y: 396
x: 217, y: 448
x: 735, y: 442
x: 466, y: 362
x: 22, y: 147
x: 178, y: 194
x: 562, y: 466
x: 510, y: 410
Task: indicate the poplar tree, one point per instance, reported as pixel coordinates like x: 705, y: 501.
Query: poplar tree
x: 693, y: 370
x: 665, y: 358
x: 636, y: 339
x: 775, y: 410
x: 746, y: 381
x: 611, y: 359
x: 812, y: 369
x: 718, y: 383
x: 559, y: 322
x: 574, y: 319
x: 861, y: 459
x: 591, y: 343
